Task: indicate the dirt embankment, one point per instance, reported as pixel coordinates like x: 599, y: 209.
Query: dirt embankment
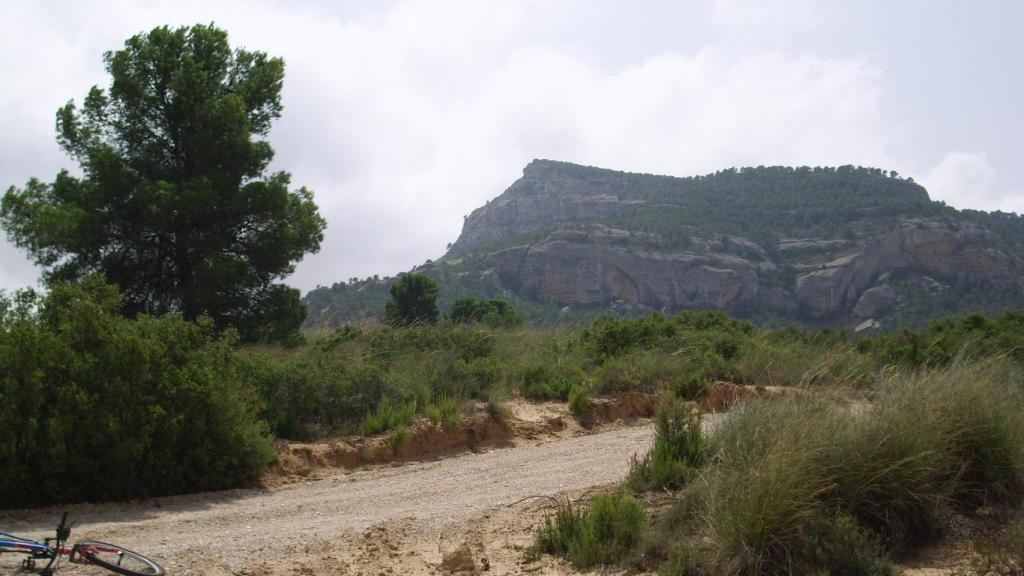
x: 525, y: 422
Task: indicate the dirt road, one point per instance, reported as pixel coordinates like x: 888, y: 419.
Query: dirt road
x: 399, y: 520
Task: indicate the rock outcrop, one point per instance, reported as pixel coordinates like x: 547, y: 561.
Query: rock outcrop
x: 570, y: 268
x: 819, y: 245
x: 955, y: 250
x: 551, y: 237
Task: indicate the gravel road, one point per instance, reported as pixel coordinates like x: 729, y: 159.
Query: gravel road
x: 244, y: 527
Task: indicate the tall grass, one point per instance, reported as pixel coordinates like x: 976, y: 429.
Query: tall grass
x: 604, y: 533
x: 388, y: 416
x: 677, y: 451
x: 931, y: 441
x: 445, y: 411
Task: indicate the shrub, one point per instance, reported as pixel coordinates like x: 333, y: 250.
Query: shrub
x: 677, y: 451
x: 579, y: 401
x: 95, y: 406
x: 398, y: 437
x: 413, y: 301
x: 466, y: 342
x: 497, y: 403
x: 612, y: 337
x: 345, y: 333
x: 837, y: 545
x: 388, y: 416
x: 559, y: 530
x: 684, y: 559
x: 314, y: 394
x: 450, y: 375
x: 930, y: 440
x: 445, y: 411
x: 766, y: 485
x: 542, y: 382
x: 604, y: 534
x: 495, y: 312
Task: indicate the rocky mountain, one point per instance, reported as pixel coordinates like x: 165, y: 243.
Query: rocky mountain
x: 849, y: 245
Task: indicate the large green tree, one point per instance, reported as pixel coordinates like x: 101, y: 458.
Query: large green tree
x: 174, y: 203
x: 413, y: 301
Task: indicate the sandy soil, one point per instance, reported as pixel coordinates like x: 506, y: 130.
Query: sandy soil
x: 460, y: 512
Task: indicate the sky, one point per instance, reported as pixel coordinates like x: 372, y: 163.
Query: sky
x: 404, y: 116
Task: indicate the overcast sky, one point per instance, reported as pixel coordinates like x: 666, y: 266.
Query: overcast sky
x: 404, y: 116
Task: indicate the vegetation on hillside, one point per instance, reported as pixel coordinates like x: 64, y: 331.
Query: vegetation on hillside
x: 821, y: 213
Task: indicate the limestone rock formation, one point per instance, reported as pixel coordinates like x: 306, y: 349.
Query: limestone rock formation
x: 817, y: 245
x: 552, y: 237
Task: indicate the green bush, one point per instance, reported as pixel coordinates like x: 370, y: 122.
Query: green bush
x: 495, y: 312
x: 684, y: 559
x: 398, y: 437
x: 678, y: 449
x: 711, y: 331
x: 947, y: 339
x: 579, y: 401
x: 467, y: 342
x: 315, y: 394
x: 94, y: 406
x: 445, y: 411
x: 543, y: 382
x: 929, y: 441
x: 388, y: 416
x: 605, y: 533
x: 446, y: 374
x: 497, y: 403
x: 837, y: 545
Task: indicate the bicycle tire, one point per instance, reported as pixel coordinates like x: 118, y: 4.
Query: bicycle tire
x: 112, y: 558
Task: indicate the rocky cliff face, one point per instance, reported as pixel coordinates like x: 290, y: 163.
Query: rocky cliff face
x: 576, y: 236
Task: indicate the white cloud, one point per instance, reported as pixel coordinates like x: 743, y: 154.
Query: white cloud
x: 967, y: 180
x: 403, y: 117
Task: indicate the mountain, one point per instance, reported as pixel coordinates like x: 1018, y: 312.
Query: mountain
x: 827, y: 246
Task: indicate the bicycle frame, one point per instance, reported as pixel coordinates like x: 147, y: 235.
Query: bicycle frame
x: 91, y: 552
x: 20, y: 544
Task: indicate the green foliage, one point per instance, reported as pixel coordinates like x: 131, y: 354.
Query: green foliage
x: 605, y: 533
x: 543, y: 382
x: 931, y: 440
x: 497, y: 402
x: 465, y: 342
x: 837, y: 545
x: 344, y: 334
x: 398, y: 437
x: 782, y: 219
x: 712, y: 332
x: 677, y: 452
x: 445, y: 411
x: 94, y: 406
x: 174, y: 205
x: 579, y: 401
x: 312, y: 395
x: 494, y: 312
x: 413, y: 301
x: 683, y: 560
x: 388, y: 416
x: 945, y: 339
x: 651, y: 371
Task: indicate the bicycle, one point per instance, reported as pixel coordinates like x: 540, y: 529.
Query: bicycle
x: 111, y: 557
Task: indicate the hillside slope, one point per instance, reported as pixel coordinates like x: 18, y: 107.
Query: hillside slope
x: 839, y: 245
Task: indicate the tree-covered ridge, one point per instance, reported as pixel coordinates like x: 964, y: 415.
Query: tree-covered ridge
x: 784, y: 229
x: 764, y: 203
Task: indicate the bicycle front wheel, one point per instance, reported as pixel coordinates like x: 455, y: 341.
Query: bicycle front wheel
x: 114, y: 558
